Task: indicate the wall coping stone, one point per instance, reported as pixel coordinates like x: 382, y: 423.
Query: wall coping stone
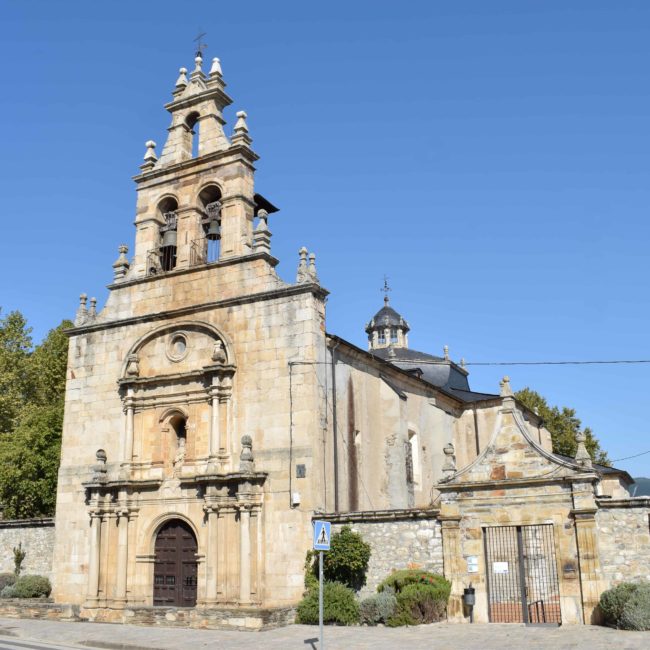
x: 631, y: 502
x: 43, y: 522
x: 401, y: 514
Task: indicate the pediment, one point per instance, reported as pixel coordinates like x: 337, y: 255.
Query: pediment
x: 176, y: 349
x: 512, y: 455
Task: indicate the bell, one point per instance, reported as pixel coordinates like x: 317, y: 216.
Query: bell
x: 169, y: 238
x: 214, y: 230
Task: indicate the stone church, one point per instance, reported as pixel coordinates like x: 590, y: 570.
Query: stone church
x: 210, y: 417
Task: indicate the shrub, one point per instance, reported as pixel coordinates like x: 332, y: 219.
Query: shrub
x: 613, y: 601
x: 340, y: 607
x: 32, y: 587
x: 6, y: 579
x: 19, y: 557
x: 421, y: 603
x: 8, y: 591
x: 636, y: 611
x: 347, y: 560
x: 378, y: 608
x: 400, y: 579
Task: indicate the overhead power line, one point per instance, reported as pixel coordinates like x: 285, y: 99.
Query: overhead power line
x: 552, y: 363
x: 643, y: 453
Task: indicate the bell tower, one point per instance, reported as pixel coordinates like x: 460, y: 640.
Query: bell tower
x: 196, y: 202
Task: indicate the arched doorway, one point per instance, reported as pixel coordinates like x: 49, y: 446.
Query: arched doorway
x: 175, y: 567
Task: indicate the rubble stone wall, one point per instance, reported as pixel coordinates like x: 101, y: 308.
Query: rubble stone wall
x: 624, y: 539
x: 406, y: 540
x: 37, y: 537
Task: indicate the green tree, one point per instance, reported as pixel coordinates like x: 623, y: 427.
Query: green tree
x: 15, y: 348
x: 563, y: 425
x: 30, y: 438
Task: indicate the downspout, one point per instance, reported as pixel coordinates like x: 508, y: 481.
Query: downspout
x: 335, y: 431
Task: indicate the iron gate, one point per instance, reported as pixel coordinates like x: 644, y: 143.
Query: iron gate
x: 521, y: 572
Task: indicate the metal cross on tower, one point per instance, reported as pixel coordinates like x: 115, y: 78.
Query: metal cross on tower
x: 385, y: 289
x: 200, y: 45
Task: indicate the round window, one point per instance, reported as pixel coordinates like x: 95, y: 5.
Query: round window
x: 177, y: 347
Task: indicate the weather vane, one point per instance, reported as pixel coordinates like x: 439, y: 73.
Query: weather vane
x: 385, y: 289
x: 200, y: 45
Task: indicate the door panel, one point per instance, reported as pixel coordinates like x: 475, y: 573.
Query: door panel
x: 175, y: 567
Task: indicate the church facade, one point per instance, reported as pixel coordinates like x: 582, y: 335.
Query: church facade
x: 210, y: 417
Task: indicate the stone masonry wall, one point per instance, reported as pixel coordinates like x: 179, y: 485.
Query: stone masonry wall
x: 624, y: 539
x: 37, y: 537
x: 399, y: 543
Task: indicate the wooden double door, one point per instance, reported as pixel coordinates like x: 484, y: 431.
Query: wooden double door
x: 175, y: 567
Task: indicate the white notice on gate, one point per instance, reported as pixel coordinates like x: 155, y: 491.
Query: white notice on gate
x: 499, y: 567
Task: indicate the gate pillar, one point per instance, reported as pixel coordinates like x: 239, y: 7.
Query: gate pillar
x: 588, y: 562
x: 451, y: 553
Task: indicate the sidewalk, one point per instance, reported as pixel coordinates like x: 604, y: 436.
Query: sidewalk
x: 441, y: 636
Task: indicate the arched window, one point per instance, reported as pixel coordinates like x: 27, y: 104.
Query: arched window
x: 191, y: 121
x: 168, y: 233
x: 210, y: 203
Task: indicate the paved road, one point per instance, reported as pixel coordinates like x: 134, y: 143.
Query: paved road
x: 26, y: 634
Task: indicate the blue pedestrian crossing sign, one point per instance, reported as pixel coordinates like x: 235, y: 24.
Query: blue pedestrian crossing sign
x: 322, y: 531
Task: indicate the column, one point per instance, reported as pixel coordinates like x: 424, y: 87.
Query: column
x: 93, y: 560
x: 122, y: 555
x: 128, y: 438
x: 211, y: 558
x: 244, y: 555
x: 215, y: 427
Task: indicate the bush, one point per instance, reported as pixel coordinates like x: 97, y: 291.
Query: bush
x: 419, y: 603
x: 613, y: 601
x: 8, y: 591
x: 379, y: 608
x: 340, y: 607
x: 346, y: 561
x: 6, y: 579
x: 32, y: 587
x: 400, y: 579
x: 636, y: 611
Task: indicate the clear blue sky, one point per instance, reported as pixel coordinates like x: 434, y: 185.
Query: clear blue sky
x: 492, y: 158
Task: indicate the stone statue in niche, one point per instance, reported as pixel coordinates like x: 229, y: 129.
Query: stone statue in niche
x: 218, y: 353
x: 179, y: 458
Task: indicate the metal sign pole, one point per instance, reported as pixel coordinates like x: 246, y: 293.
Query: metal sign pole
x: 320, y: 599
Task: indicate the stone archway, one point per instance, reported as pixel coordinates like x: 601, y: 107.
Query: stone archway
x: 175, y: 566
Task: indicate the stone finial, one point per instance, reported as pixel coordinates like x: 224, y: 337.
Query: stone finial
x: 445, y: 350
x: 99, y: 468
x: 246, y: 460
x: 198, y: 62
x: 218, y: 353
x: 132, y: 366
x: 216, y: 67
x: 262, y: 234
x: 302, y: 275
x: 240, y: 132
x: 583, y: 459
x: 181, y: 82
x: 506, y: 389
x: 92, y: 312
x: 313, y: 276
x: 82, y: 312
x: 462, y: 362
x: 150, y: 157
x: 449, y: 466
x: 121, y: 264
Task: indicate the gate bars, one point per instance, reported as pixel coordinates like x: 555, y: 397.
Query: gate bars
x: 521, y: 573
